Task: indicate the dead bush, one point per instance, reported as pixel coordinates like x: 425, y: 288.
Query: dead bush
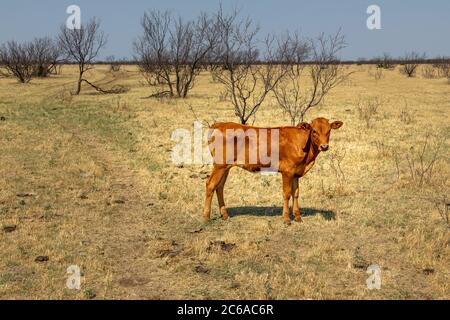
x: 64, y: 96
x: 422, y: 159
x: 443, y: 67
x: 406, y: 115
x: 379, y: 74
x: 429, y: 72
x: 336, y: 159
x: 442, y: 205
x: 410, y: 63
x: 340, y: 187
x: 383, y: 149
x: 368, y: 109
x: 385, y: 62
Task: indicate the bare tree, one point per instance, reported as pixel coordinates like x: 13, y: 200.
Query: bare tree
x: 82, y: 46
x: 18, y: 60
x: 247, y: 79
x: 324, y: 72
x: 171, y: 51
x: 410, y: 62
x: 45, y: 53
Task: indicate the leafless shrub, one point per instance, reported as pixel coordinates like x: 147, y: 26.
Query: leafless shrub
x: 385, y: 62
x: 383, y: 149
x: 324, y: 73
x: 18, y: 60
x: 120, y: 105
x: 171, y: 52
x: 339, y: 188
x: 422, y: 160
x: 443, y: 66
x: 378, y: 74
x: 368, y: 109
x: 430, y: 72
x: 223, y: 95
x: 114, y: 64
x: 46, y: 54
x: 410, y: 62
x: 336, y: 159
x: 82, y: 46
x: 442, y: 205
x: 406, y: 115
x: 37, y: 58
x: 396, y: 158
x: 64, y: 96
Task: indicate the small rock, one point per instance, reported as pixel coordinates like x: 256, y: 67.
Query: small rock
x: 172, y: 252
x: 428, y: 271
x: 41, y: 258
x: 201, y: 269
x: 150, y: 204
x: 25, y: 194
x: 193, y: 176
x: 83, y: 195
x: 89, y: 294
x: 85, y: 174
x: 10, y: 228
x: 361, y: 265
x: 204, y: 175
x: 198, y: 230
x: 163, y: 196
x: 119, y: 200
x: 179, y: 166
x: 169, y: 253
x: 222, y: 245
x: 2, y: 118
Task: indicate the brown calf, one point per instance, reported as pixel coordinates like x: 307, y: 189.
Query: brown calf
x: 296, y: 150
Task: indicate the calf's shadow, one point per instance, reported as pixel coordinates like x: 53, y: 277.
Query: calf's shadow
x: 277, y: 211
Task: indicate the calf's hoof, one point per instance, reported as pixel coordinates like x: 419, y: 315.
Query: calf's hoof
x: 298, y: 219
x: 224, y: 214
x: 287, y: 222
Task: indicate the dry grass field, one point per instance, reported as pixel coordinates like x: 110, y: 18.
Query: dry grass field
x: 87, y: 180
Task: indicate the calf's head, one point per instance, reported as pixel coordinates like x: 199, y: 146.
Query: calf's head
x: 320, y: 132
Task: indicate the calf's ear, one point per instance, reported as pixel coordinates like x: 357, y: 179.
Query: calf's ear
x: 336, y: 124
x: 304, y: 125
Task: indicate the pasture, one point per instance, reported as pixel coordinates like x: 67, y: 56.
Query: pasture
x: 88, y: 180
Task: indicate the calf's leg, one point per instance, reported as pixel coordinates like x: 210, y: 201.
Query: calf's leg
x: 219, y: 191
x: 287, y: 188
x: 295, y: 193
x: 211, y: 185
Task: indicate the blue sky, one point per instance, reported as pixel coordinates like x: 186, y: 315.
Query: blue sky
x: 423, y: 26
